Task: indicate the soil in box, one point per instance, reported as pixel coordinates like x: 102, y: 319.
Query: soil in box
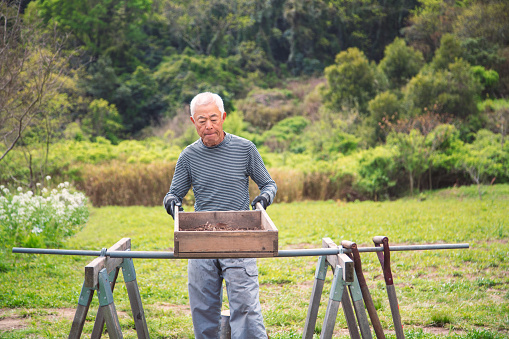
x: 220, y: 226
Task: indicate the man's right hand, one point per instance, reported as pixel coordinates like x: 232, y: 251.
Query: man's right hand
x: 170, y: 205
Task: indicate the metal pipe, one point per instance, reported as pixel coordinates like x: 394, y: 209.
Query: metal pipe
x: 281, y: 253
x: 55, y: 251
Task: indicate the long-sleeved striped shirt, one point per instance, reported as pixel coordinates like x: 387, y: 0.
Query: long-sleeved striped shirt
x: 220, y: 175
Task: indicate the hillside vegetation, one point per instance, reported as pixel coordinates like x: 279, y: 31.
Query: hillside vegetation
x: 354, y: 100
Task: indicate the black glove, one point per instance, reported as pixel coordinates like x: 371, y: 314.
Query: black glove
x: 262, y: 199
x: 170, y: 206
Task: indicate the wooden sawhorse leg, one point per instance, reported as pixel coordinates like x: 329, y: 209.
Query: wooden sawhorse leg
x: 362, y: 318
x: 133, y: 292
x: 316, y: 294
x: 80, y: 316
x: 107, y: 306
x: 339, y: 295
x: 99, y: 318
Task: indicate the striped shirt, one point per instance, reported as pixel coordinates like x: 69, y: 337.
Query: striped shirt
x: 220, y: 175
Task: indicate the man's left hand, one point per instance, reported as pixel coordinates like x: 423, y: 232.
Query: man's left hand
x: 262, y: 199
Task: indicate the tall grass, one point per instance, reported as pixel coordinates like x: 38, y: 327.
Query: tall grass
x: 124, y: 184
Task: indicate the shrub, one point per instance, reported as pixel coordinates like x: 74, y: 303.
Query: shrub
x: 377, y: 171
x: 264, y: 108
x: 40, y: 219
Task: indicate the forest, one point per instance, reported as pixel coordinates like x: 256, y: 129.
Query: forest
x: 345, y: 99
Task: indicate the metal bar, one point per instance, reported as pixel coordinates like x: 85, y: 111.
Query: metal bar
x: 281, y: 253
x: 54, y: 251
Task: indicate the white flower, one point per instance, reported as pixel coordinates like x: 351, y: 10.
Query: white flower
x: 2, y: 187
x: 48, y: 178
x: 66, y: 184
x: 6, y: 190
x: 37, y: 230
x: 44, y: 190
x: 38, y: 184
x: 20, y: 189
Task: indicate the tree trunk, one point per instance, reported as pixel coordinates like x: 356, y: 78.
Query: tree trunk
x: 411, y: 177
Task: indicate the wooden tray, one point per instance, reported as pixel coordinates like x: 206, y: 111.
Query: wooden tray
x: 242, y: 242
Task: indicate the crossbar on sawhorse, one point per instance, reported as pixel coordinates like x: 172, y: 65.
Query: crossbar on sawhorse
x: 101, y: 275
x: 344, y: 281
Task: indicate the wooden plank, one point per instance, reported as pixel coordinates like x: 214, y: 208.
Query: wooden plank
x: 95, y: 266
x: 348, y: 267
x: 207, y: 255
x: 240, y: 219
x: 331, y: 259
x: 340, y: 259
x: 266, y: 222
x: 140, y: 321
x: 210, y: 241
x: 176, y: 217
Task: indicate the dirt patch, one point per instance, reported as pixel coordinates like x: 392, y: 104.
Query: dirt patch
x: 17, y: 319
x: 12, y: 324
x: 220, y: 226
x: 439, y: 331
x: 177, y: 309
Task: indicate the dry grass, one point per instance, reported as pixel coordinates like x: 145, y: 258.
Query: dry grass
x: 121, y: 184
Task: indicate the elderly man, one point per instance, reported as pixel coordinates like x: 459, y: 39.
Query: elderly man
x: 218, y: 167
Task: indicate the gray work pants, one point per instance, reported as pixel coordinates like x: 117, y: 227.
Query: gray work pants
x: 205, y: 283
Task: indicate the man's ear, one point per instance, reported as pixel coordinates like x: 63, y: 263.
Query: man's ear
x: 224, y: 115
x: 192, y: 120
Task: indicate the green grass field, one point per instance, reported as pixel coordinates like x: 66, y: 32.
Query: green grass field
x: 444, y: 293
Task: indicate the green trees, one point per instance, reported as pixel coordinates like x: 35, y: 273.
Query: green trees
x: 108, y: 28
x: 400, y: 63
x: 484, y: 159
x: 352, y: 80
x: 33, y: 70
x: 454, y: 91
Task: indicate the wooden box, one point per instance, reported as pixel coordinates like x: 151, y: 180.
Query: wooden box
x: 251, y: 234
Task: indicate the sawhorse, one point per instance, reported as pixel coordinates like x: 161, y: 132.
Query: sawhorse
x: 101, y: 275
x: 344, y: 281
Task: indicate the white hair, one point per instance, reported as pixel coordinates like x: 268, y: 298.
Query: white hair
x: 206, y: 98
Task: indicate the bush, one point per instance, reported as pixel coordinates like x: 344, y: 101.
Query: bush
x: 264, y: 108
x: 377, y: 172
x: 40, y: 219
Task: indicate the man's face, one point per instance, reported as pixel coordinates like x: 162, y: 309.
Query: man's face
x: 208, y: 121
